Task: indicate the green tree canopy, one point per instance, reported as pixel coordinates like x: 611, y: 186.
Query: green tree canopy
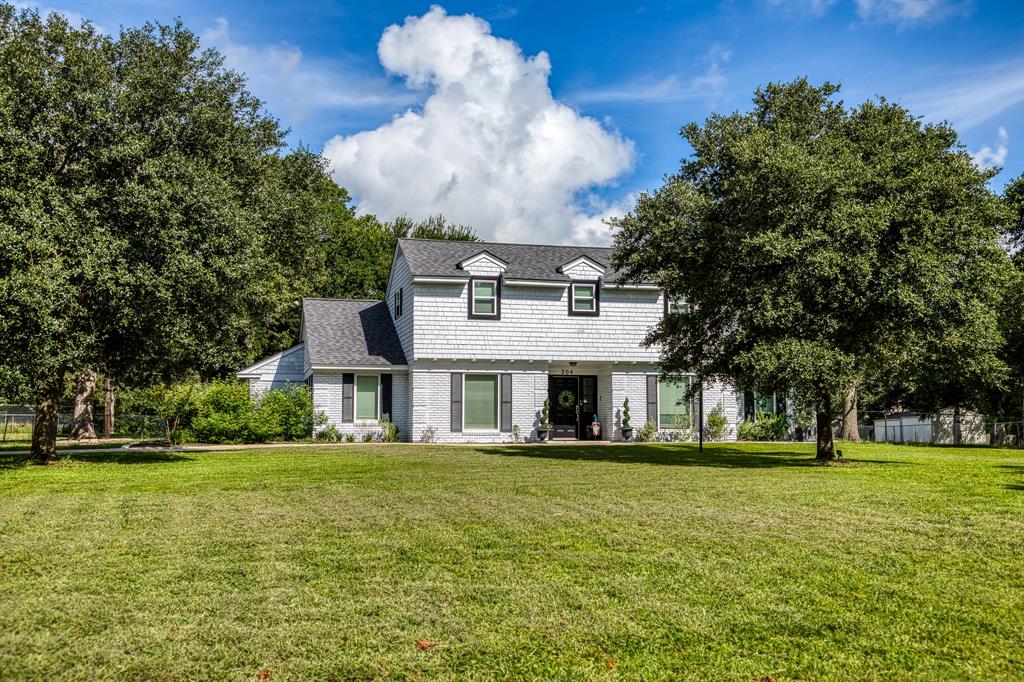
x: 149, y: 226
x: 818, y: 243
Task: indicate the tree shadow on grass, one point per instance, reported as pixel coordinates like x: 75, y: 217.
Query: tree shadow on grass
x: 1013, y: 469
x: 8, y: 461
x: 722, y: 456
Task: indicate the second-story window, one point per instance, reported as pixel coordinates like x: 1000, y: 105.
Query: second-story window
x: 584, y: 299
x: 484, y: 298
x: 398, y: 303
x: 676, y: 305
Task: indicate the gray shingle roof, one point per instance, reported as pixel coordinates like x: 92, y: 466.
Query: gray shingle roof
x: 344, y: 333
x: 438, y: 258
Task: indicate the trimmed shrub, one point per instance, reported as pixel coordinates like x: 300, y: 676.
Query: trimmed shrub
x: 284, y: 414
x: 224, y: 413
x: 716, y: 423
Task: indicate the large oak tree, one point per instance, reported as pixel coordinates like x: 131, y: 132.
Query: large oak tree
x: 142, y: 209
x: 820, y: 244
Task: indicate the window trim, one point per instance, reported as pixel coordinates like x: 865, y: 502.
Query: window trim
x: 399, y: 295
x: 472, y: 314
x: 497, y: 402
x: 596, y: 283
x: 775, y: 403
x: 355, y: 400
x: 689, y: 378
x: 664, y: 295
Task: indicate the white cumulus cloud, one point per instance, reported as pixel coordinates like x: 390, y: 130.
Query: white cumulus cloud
x: 490, y: 146
x: 987, y: 157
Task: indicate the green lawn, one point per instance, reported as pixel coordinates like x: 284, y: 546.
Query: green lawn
x: 531, y: 562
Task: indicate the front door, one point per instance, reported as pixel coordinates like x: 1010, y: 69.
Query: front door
x: 564, y: 396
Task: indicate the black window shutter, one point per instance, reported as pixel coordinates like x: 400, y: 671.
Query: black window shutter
x: 506, y: 402
x: 749, y: 408
x: 385, y: 396
x: 456, y: 402
x: 347, y: 393
x: 652, y: 398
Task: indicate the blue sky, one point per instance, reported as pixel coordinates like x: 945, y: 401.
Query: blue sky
x: 495, y: 150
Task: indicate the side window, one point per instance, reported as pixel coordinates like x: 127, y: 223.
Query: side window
x: 398, y: 303
x: 584, y: 298
x: 676, y: 305
x: 764, y: 404
x: 484, y: 299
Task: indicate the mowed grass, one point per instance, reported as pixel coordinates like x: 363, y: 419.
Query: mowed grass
x: 745, y: 562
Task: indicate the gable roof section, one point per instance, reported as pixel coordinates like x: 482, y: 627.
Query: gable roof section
x: 439, y: 258
x: 253, y: 371
x: 345, y: 333
x: 482, y: 256
x: 586, y: 260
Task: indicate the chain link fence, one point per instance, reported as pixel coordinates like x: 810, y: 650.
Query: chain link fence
x: 17, y: 422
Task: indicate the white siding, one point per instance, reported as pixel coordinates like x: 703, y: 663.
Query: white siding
x: 431, y: 400
x: 278, y: 370
x: 402, y: 279
x: 485, y: 268
x: 535, y: 324
x: 583, y: 270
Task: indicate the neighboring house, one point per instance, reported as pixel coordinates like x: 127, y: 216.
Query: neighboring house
x: 474, y: 336
x: 938, y: 428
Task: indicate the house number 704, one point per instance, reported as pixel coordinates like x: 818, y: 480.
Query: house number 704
x: 567, y: 371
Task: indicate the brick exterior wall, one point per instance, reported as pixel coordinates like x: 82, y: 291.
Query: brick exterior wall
x: 327, y: 396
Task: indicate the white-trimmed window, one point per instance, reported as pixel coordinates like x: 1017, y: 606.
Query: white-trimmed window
x: 676, y: 305
x: 398, y: 303
x: 764, y: 404
x: 673, y: 405
x: 484, y: 298
x: 367, y: 397
x: 480, y: 402
x: 583, y: 298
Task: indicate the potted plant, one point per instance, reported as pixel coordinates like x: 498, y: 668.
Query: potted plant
x: 627, y: 430
x: 545, y: 423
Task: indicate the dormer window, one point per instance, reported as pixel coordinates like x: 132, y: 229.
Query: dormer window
x: 484, y: 299
x: 584, y: 298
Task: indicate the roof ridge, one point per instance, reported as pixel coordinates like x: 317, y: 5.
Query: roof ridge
x: 465, y: 241
x: 343, y: 300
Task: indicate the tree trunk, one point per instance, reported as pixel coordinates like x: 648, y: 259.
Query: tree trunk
x: 85, y: 389
x: 44, y: 431
x: 826, y: 447
x: 850, y: 430
x: 108, y: 406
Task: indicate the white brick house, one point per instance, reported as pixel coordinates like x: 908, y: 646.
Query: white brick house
x: 474, y: 336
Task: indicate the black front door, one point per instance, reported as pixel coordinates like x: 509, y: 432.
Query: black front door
x: 564, y: 396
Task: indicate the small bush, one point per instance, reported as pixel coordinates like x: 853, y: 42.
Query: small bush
x: 625, y: 413
x: 329, y: 434
x: 647, y: 432
x: 716, y: 423
x: 768, y: 427
x: 349, y: 438
x: 389, y: 433
x: 517, y: 434
x: 369, y: 437
x: 429, y: 435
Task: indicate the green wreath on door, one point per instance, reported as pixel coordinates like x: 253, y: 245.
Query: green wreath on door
x: 567, y: 399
